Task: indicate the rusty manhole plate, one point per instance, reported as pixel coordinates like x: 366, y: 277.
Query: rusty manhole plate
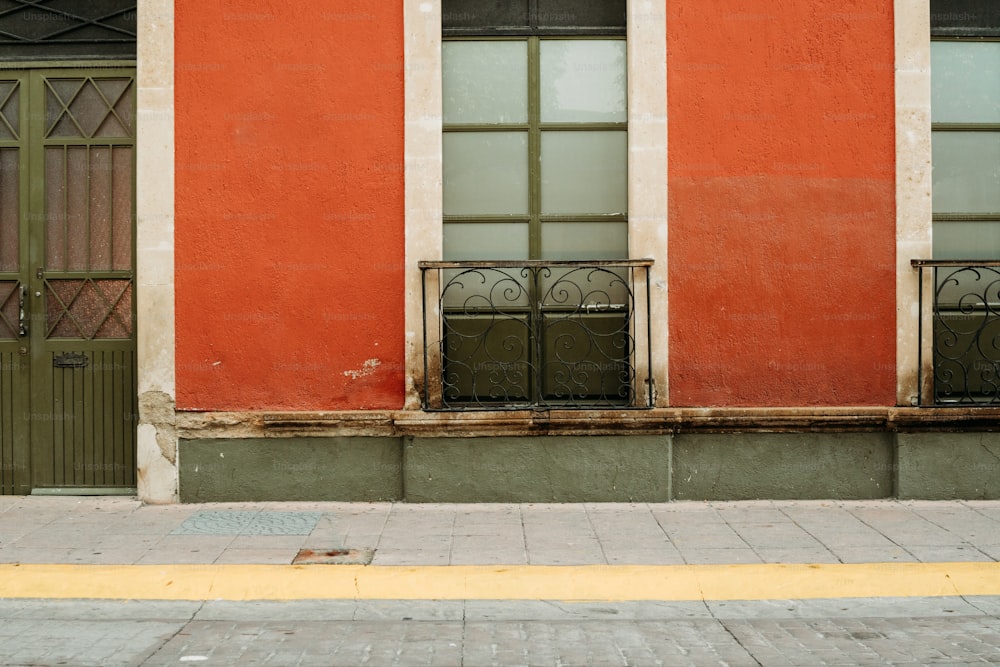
x: 334, y: 557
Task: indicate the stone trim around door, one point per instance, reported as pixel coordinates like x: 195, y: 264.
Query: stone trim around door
x: 156, y: 439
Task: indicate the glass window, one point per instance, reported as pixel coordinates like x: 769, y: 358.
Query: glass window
x: 485, y: 82
x: 965, y: 113
x: 535, y: 131
x: 485, y: 173
x: 535, y: 153
x: 582, y: 80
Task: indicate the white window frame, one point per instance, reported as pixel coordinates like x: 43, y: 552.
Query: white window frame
x: 913, y: 190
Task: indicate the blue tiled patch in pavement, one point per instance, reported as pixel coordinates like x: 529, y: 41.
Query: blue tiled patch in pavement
x: 249, y: 523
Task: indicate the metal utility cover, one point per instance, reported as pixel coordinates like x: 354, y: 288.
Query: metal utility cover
x: 249, y: 523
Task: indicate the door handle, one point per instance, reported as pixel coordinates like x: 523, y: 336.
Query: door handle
x: 22, y: 328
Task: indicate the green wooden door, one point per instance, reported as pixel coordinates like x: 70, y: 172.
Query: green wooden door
x: 15, y: 405
x: 67, y: 313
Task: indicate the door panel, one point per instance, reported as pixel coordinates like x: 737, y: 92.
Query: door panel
x: 91, y: 431
x: 68, y: 380
x: 15, y: 407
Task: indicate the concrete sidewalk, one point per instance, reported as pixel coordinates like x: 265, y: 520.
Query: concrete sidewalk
x: 122, y: 531
x: 107, y: 581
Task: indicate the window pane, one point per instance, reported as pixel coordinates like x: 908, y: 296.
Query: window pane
x: 485, y: 173
x: 485, y: 82
x: 586, y: 357
x: 486, y: 359
x: 485, y: 240
x: 584, y: 240
x: 967, y: 240
x: 484, y: 14
x: 581, y: 13
x: 966, y: 172
x: 583, y: 80
x: 974, y: 17
x: 584, y: 172
x: 965, y: 82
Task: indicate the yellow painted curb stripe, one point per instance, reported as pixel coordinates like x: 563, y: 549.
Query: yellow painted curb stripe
x: 479, y: 582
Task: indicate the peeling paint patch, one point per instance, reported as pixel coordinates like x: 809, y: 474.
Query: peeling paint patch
x: 366, y: 369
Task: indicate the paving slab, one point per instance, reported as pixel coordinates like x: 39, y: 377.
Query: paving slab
x: 887, y: 631
x: 42, y: 529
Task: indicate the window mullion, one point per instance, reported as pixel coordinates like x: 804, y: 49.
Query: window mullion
x: 534, y: 208
x: 534, y: 150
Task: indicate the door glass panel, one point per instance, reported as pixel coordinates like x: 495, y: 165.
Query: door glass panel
x: 966, y: 172
x: 55, y: 208
x: 117, y: 97
x: 10, y: 218
x: 964, y: 78
x: 584, y: 240
x: 125, y: 108
x: 485, y: 240
x: 121, y: 199
x: 485, y: 173
x: 77, y: 208
x: 118, y: 323
x: 60, y: 93
x: 82, y: 108
x: 9, y: 109
x: 583, y: 80
x: 10, y: 306
x: 88, y: 197
x: 88, y: 308
x: 966, y: 239
x: 100, y: 208
x: 584, y: 172
x: 485, y: 82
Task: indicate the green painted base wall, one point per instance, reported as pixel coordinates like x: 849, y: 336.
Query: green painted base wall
x: 538, y: 470
x: 938, y: 466
x: 743, y: 466
x: 594, y: 468
x: 254, y: 469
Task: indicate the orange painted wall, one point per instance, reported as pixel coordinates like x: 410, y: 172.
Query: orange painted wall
x: 781, y: 191
x: 289, y: 205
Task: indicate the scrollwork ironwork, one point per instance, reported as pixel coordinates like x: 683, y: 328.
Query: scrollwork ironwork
x: 533, y: 334
x: 966, y: 336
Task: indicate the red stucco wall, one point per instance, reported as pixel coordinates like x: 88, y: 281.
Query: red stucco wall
x: 289, y: 205
x: 781, y: 172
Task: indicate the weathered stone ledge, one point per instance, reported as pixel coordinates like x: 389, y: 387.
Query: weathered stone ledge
x: 658, y: 421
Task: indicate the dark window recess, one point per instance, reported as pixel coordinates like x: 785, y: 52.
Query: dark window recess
x: 532, y: 17
x: 67, y: 29
x: 965, y: 18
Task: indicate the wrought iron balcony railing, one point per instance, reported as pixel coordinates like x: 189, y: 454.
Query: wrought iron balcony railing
x: 965, y: 336
x: 536, y: 334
